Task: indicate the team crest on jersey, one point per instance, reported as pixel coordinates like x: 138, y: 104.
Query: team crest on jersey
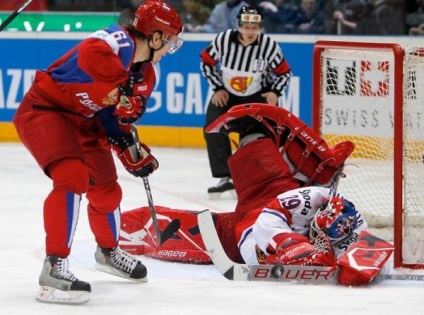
x: 240, y: 84
x: 111, y: 98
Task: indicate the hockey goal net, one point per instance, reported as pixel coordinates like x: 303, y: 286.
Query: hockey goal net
x: 373, y: 95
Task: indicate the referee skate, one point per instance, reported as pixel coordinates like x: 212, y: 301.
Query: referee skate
x: 223, y: 186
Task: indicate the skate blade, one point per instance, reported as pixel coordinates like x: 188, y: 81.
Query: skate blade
x: 55, y: 296
x: 223, y: 195
x: 118, y: 273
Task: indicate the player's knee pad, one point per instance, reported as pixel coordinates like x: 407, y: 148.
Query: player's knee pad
x: 105, y: 198
x: 70, y: 175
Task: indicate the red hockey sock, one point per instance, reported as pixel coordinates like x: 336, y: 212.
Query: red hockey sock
x: 61, y: 207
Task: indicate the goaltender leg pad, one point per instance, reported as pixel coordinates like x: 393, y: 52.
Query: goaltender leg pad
x: 364, y: 259
x: 309, y: 156
x: 186, y: 245
x: 225, y: 227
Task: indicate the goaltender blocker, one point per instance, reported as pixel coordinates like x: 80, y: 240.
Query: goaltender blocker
x: 287, y: 212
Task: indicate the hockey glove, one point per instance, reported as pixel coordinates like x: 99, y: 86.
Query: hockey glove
x: 132, y: 104
x: 294, y: 249
x: 130, y: 108
x: 136, y: 158
x: 135, y: 80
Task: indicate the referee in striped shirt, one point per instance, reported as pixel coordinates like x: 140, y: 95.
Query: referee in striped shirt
x: 241, y: 66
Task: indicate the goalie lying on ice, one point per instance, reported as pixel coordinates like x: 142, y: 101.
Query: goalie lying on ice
x: 287, y: 212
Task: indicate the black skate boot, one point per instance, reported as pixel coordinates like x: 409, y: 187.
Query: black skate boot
x: 224, y: 185
x: 59, y: 285
x: 119, y: 263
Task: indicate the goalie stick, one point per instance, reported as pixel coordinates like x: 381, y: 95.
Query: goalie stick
x: 286, y: 273
x: 174, y: 225
x: 14, y: 14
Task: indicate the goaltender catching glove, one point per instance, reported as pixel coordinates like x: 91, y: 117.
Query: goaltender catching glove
x: 135, y: 157
x: 294, y: 249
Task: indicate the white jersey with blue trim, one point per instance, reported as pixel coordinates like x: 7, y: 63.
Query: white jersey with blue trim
x: 291, y: 212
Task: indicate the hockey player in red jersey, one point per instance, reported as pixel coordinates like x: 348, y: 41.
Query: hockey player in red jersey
x: 287, y: 212
x: 75, y: 112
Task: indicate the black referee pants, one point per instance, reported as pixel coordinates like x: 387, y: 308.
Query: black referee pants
x: 218, y: 145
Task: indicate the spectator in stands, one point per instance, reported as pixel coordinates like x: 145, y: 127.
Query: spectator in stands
x: 417, y: 30
x: 389, y: 20
x: 81, y: 5
x: 278, y: 15
x: 129, y: 7
x: 309, y: 18
x: 351, y: 11
x: 128, y: 10
x: 194, y: 15
x: 223, y: 17
x: 133, y: 4
x: 415, y: 20
x: 378, y: 18
x: 213, y: 3
x: 35, y: 5
x: 177, y: 4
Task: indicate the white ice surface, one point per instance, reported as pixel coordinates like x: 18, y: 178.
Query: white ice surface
x: 173, y: 288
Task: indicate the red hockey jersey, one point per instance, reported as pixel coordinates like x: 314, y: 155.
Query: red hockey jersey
x: 77, y: 83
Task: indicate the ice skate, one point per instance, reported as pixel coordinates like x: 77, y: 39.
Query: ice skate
x: 119, y: 263
x: 223, y: 186
x: 59, y: 285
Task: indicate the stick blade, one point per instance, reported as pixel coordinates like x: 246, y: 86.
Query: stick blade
x: 170, y: 230
x: 216, y: 252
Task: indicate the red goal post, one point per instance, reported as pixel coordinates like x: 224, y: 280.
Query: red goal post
x: 373, y: 94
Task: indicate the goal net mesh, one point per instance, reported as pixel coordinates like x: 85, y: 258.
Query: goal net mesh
x: 357, y: 103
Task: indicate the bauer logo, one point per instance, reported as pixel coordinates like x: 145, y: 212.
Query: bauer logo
x: 172, y: 253
x: 289, y: 273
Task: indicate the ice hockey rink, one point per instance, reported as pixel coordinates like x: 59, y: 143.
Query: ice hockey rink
x: 180, y: 182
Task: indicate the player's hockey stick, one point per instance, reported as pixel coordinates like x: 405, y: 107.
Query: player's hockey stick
x: 14, y: 14
x: 170, y: 229
x: 300, y: 274
x: 174, y: 225
x: 242, y: 272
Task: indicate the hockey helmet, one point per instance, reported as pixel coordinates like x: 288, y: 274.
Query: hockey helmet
x: 155, y: 15
x: 250, y: 15
x: 336, y: 218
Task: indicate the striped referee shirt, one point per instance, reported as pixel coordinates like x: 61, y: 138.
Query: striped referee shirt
x: 243, y: 71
